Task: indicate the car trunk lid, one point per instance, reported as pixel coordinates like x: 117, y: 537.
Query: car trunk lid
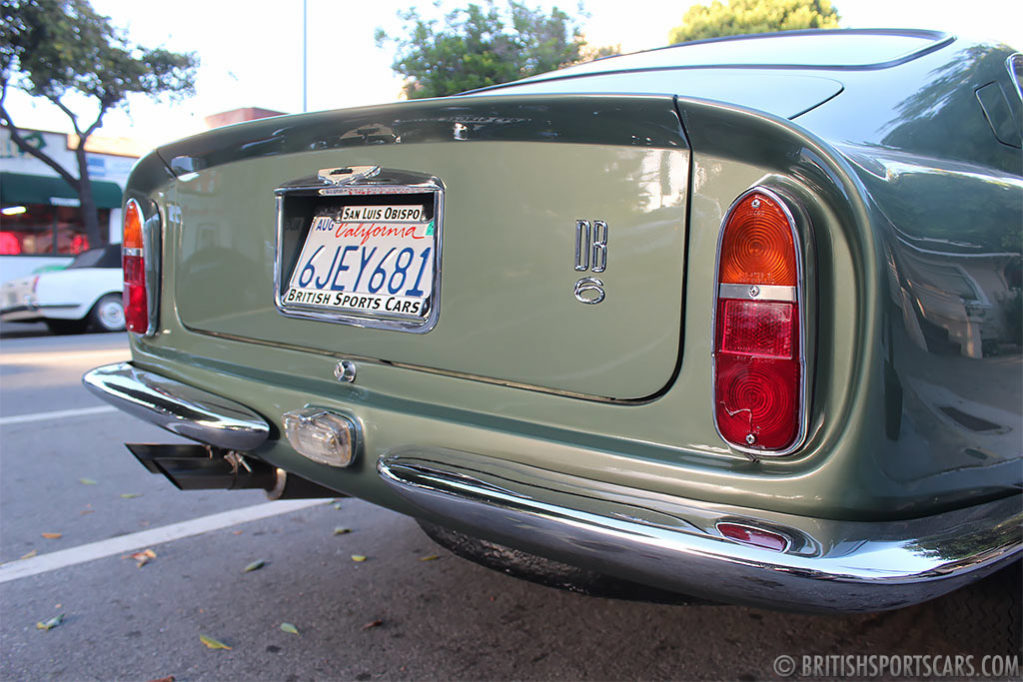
x: 525, y: 183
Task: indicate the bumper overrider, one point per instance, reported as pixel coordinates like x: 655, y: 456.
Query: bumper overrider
x: 660, y: 540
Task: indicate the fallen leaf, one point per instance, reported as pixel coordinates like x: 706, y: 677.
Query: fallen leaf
x: 373, y: 624
x: 86, y: 511
x: 212, y: 643
x: 143, y: 558
x: 288, y: 627
x: 237, y: 532
x: 254, y: 566
x: 129, y: 496
x: 29, y: 555
x: 358, y: 557
x: 86, y: 481
x: 53, y: 536
x: 429, y: 557
x: 169, y: 678
x: 50, y: 624
x: 341, y: 531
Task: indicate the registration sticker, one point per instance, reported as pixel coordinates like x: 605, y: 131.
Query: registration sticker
x: 375, y: 260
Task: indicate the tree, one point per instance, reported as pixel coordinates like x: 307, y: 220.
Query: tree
x: 64, y: 52
x: 483, y: 45
x: 740, y: 17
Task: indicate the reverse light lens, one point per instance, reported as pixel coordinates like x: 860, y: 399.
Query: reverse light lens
x: 322, y: 436
x: 758, y: 375
x: 133, y: 263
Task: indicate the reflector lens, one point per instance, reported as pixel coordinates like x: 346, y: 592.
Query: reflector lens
x: 757, y: 247
x: 763, y: 328
x: 757, y: 537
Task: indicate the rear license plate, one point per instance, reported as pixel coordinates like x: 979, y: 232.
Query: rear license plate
x: 367, y: 259
x: 363, y: 253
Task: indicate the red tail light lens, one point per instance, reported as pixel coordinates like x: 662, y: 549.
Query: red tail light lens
x: 133, y: 262
x: 758, y: 369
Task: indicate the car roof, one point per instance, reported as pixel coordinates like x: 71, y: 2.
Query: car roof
x: 108, y: 256
x: 837, y: 49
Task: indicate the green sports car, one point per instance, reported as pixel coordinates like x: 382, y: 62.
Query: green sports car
x: 737, y: 319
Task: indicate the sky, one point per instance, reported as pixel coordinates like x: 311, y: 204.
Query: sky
x: 251, y: 52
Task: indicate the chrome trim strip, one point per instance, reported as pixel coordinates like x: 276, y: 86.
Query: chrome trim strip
x: 410, y: 183
x: 1010, y: 62
x: 788, y: 208
x: 758, y: 292
x: 152, y: 244
x: 672, y: 543
x: 419, y: 368
x: 177, y: 407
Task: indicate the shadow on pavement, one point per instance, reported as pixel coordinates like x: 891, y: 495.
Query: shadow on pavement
x: 20, y: 330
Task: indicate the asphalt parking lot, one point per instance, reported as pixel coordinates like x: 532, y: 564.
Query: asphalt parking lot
x: 75, y: 507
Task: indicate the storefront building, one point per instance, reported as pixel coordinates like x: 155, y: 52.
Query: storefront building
x: 40, y: 223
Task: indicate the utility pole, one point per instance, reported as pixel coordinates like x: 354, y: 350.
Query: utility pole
x: 305, y: 55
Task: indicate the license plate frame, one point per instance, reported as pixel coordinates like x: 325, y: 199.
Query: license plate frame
x: 302, y: 203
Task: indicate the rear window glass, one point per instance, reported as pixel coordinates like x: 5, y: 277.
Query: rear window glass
x: 106, y: 257
x: 835, y: 49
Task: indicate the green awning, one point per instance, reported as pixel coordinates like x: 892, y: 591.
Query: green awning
x: 19, y: 188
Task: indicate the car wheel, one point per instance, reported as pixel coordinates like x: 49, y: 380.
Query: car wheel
x: 65, y: 326
x: 108, y: 313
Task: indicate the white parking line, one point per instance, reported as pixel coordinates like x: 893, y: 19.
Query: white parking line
x: 127, y: 543
x: 55, y: 357
x: 59, y: 414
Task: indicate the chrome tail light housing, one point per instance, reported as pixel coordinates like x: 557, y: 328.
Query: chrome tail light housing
x: 759, y: 357
x: 140, y: 262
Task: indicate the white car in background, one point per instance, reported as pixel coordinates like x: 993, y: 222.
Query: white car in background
x: 86, y: 294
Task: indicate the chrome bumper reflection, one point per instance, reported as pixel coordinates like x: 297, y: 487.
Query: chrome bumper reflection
x: 673, y: 544
x: 177, y: 407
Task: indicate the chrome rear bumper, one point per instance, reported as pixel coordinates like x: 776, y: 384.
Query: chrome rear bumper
x: 675, y: 545
x: 650, y: 538
x: 177, y: 407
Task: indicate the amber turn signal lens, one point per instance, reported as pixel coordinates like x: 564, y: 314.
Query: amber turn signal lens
x: 757, y: 247
x: 132, y: 235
